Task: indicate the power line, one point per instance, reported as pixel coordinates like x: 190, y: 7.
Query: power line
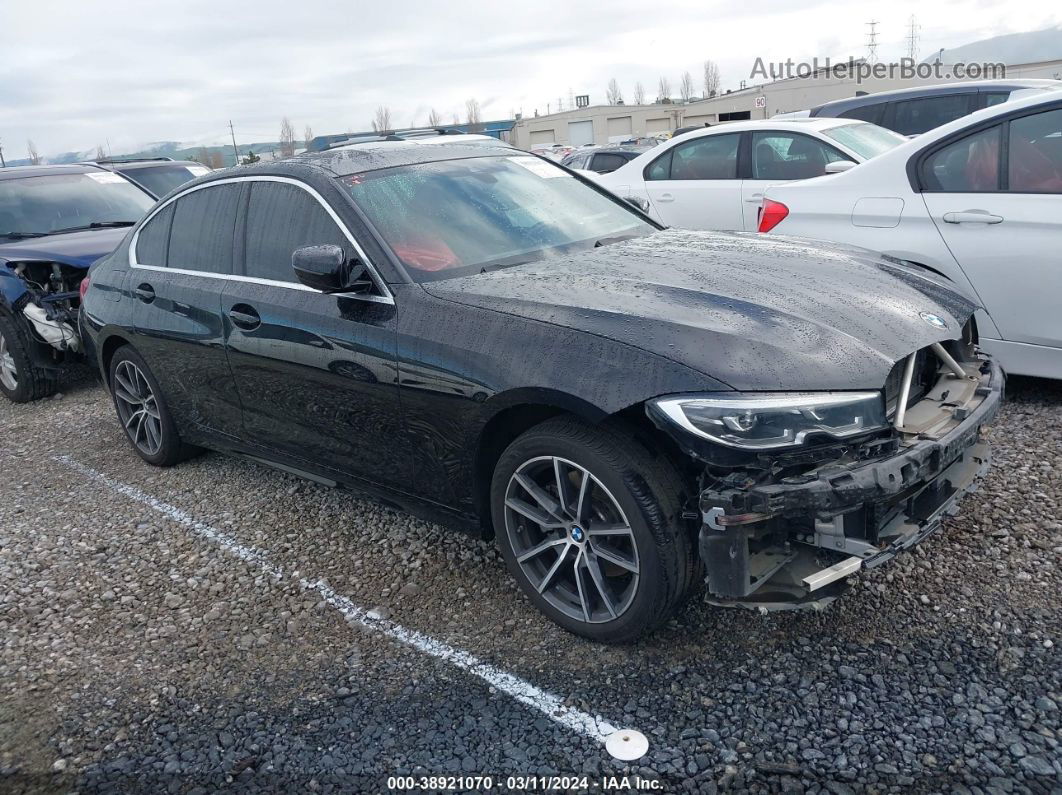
x: 872, y: 41
x: 912, y: 38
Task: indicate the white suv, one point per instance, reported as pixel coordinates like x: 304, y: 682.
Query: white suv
x: 978, y: 200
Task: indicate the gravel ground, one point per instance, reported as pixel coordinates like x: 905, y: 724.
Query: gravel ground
x: 140, y: 656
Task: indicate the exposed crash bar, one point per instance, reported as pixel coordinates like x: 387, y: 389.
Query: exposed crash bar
x: 905, y: 390
x: 949, y: 362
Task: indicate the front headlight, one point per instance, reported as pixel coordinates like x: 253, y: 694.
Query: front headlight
x: 768, y: 421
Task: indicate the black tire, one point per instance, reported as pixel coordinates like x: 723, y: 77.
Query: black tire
x: 647, y: 489
x: 171, y: 450
x: 31, y: 383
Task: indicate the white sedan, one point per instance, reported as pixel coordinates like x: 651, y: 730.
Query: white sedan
x: 714, y: 178
x: 978, y: 200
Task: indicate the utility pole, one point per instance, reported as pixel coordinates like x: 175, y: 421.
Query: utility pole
x: 2, y: 163
x: 872, y: 41
x: 235, y: 151
x: 912, y: 39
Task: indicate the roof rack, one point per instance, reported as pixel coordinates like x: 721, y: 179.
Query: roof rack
x: 391, y: 135
x: 109, y: 160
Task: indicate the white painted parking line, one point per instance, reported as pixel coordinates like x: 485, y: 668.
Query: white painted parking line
x: 552, y: 706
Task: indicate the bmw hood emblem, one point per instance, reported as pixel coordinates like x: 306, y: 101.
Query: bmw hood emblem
x: 936, y: 321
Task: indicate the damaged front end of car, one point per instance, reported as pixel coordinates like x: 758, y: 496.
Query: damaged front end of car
x: 801, y: 491
x: 46, y: 297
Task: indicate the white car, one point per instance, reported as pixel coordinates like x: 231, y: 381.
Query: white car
x: 978, y: 200
x: 714, y: 178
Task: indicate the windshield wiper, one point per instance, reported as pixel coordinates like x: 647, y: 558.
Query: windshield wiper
x: 94, y: 225
x: 23, y: 235
x: 605, y: 241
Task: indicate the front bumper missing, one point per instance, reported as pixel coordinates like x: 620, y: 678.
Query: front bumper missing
x: 791, y: 544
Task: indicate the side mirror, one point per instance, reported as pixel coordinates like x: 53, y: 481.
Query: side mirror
x: 638, y: 202
x: 325, y: 268
x: 839, y: 166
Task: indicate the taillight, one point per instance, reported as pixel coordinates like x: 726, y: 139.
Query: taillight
x: 83, y: 287
x: 771, y: 214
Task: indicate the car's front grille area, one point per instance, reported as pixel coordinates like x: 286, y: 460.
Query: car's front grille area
x: 927, y: 366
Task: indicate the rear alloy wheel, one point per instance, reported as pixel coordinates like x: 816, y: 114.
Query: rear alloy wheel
x: 589, y: 523
x: 142, y: 411
x: 138, y: 408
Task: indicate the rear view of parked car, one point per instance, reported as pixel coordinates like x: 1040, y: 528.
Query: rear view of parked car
x: 157, y: 175
x: 482, y: 338
x: 54, y: 222
x: 913, y: 111
x: 714, y: 178
x: 977, y: 201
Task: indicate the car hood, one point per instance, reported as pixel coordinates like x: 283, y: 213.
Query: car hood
x: 79, y: 249
x: 755, y: 312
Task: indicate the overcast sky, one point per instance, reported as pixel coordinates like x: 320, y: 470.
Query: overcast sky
x: 76, y: 74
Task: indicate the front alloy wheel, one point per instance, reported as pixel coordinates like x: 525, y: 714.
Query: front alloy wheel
x: 589, y: 522
x: 571, y: 539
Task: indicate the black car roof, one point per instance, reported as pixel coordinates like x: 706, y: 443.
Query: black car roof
x: 917, y: 92
x: 359, y: 158
x: 20, y: 172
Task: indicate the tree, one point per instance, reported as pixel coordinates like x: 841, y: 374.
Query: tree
x: 34, y: 155
x: 251, y: 158
x: 307, y: 135
x: 615, y: 96
x: 287, y: 138
x: 472, y: 111
x: 663, y: 90
x: 711, y: 79
x: 434, y: 119
x: 382, y: 121
x: 686, y: 90
x: 639, y: 94
x: 217, y: 160
x: 101, y: 153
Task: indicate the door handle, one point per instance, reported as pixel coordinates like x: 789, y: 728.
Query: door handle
x: 145, y: 292
x: 665, y: 197
x: 755, y: 198
x: 972, y: 217
x: 244, y: 317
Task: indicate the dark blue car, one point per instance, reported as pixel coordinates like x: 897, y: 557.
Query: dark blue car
x: 55, y: 221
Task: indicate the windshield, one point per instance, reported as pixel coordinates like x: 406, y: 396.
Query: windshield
x: 865, y: 139
x: 452, y: 218
x: 160, y: 180
x: 37, y: 206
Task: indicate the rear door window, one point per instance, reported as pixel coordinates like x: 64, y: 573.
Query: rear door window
x: 709, y: 157
x: 282, y: 217
x: 788, y: 156
x: 154, y: 238
x: 916, y: 116
x: 968, y: 165
x: 871, y: 113
x: 605, y: 162
x: 204, y: 222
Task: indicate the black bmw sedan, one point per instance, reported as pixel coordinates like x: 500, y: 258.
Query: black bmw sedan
x: 479, y: 337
